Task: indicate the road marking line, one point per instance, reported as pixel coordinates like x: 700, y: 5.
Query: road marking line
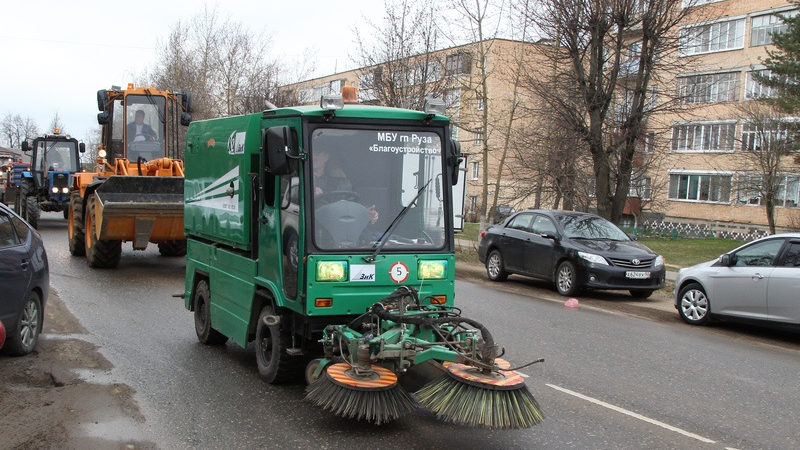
x: 631, y: 413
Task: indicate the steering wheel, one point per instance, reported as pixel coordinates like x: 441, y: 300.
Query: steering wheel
x: 335, y: 196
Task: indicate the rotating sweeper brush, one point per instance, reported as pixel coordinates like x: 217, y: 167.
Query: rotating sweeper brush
x: 400, y: 332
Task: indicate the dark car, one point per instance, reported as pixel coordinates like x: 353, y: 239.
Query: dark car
x: 571, y: 249
x: 24, y: 282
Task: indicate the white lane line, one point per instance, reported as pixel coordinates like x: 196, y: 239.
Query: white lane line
x: 632, y: 414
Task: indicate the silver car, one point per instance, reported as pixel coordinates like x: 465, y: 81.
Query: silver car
x: 758, y: 281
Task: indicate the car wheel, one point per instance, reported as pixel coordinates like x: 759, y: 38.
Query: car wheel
x: 495, y: 267
x: 202, y: 316
x: 693, y: 304
x: 566, y: 279
x: 26, y: 334
x: 641, y: 293
x: 275, y: 365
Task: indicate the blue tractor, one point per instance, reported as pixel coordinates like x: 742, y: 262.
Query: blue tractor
x: 45, y: 186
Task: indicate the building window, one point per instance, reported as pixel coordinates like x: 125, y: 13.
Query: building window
x: 473, y: 203
x: 715, y: 87
x: 649, y: 142
x: 480, y: 104
x: 453, y: 132
x: 703, y: 137
x: 476, y: 167
x: 366, y: 87
x: 755, y: 89
x: 688, y: 3
x: 478, y: 137
x: 763, y: 27
x: 305, y: 96
x: 777, y: 134
x: 700, y: 187
x: 458, y: 64
x: 712, y: 37
x: 452, y: 98
x: 750, y: 186
x: 640, y: 187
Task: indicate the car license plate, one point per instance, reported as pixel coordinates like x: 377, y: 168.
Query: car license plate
x: 637, y: 275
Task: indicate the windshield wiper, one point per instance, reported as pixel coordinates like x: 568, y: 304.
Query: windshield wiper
x: 385, y: 236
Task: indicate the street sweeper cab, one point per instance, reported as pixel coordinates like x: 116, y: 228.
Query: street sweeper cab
x: 325, y: 235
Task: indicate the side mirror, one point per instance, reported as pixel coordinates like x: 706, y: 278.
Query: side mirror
x: 725, y: 260
x: 102, y: 118
x: 454, y: 160
x: 186, y: 119
x: 632, y: 236
x: 82, y: 147
x: 102, y: 99
x: 279, y: 142
x: 25, y: 146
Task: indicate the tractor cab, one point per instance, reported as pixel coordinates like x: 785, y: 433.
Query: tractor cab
x: 55, y: 157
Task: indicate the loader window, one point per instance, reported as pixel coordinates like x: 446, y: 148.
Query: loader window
x: 363, y: 179
x: 145, y: 125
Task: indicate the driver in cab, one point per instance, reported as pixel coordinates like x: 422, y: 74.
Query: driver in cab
x: 139, y: 131
x: 329, y: 179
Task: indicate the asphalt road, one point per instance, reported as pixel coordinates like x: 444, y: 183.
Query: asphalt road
x: 608, y: 380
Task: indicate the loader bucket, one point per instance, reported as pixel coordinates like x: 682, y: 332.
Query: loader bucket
x: 140, y: 209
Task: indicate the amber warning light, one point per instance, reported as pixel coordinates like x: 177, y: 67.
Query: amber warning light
x: 349, y: 94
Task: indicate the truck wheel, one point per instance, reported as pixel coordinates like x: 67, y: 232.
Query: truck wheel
x: 172, y: 248
x: 274, y: 364
x: 75, y: 231
x: 100, y: 254
x: 201, y: 300
x: 30, y: 211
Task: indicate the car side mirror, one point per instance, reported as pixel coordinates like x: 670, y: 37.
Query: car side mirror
x: 82, y: 147
x: 25, y: 146
x: 632, y: 236
x: 279, y: 143
x: 726, y: 260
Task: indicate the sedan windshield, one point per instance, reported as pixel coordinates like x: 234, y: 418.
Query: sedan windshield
x: 590, y: 227
x: 363, y: 179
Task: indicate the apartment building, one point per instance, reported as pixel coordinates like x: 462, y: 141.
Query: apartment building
x: 705, y: 176
x: 452, y: 74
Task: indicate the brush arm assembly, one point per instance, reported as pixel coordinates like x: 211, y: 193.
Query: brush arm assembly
x: 399, y: 332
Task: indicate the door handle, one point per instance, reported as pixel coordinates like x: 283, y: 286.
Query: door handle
x: 758, y: 276
x: 24, y: 264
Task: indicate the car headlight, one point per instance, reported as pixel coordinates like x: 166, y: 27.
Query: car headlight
x: 332, y: 271
x: 592, y: 258
x: 431, y: 270
x: 55, y: 190
x: 659, y: 261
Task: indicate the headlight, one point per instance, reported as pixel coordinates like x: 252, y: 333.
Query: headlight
x: 592, y: 258
x: 659, y: 261
x: 431, y: 270
x: 65, y: 190
x: 55, y: 190
x: 332, y: 271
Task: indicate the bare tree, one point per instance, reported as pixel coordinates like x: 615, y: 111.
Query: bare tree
x: 56, y: 122
x: 768, y: 145
x: 400, y: 65
x: 608, y: 52
x: 16, y: 129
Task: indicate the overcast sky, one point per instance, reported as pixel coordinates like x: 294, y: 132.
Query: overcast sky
x: 57, y: 54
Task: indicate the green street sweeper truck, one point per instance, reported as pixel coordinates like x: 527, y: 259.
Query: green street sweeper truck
x: 325, y: 235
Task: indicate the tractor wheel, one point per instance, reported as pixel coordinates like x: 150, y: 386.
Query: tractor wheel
x: 65, y: 211
x: 172, y: 248
x: 75, y: 231
x: 100, y: 254
x: 30, y: 211
x: 274, y: 364
x: 201, y: 301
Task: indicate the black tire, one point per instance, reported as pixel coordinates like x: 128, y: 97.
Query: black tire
x: 495, y: 266
x: 75, y: 232
x: 100, y: 254
x: 566, y: 279
x: 27, y: 329
x: 30, y: 210
x: 274, y: 364
x: 641, y: 293
x: 694, y: 305
x: 65, y: 211
x: 201, y: 302
x: 172, y: 248
x: 311, y: 367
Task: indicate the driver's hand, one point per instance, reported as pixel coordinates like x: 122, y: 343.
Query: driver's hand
x: 373, y: 214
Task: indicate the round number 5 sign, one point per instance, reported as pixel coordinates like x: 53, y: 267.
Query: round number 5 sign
x: 398, y: 272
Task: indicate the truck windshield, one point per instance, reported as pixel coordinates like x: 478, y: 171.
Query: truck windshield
x: 362, y: 180
x: 56, y: 155
x: 144, y: 132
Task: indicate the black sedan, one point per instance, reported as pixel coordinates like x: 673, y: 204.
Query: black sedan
x: 571, y: 249
x: 24, y: 283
